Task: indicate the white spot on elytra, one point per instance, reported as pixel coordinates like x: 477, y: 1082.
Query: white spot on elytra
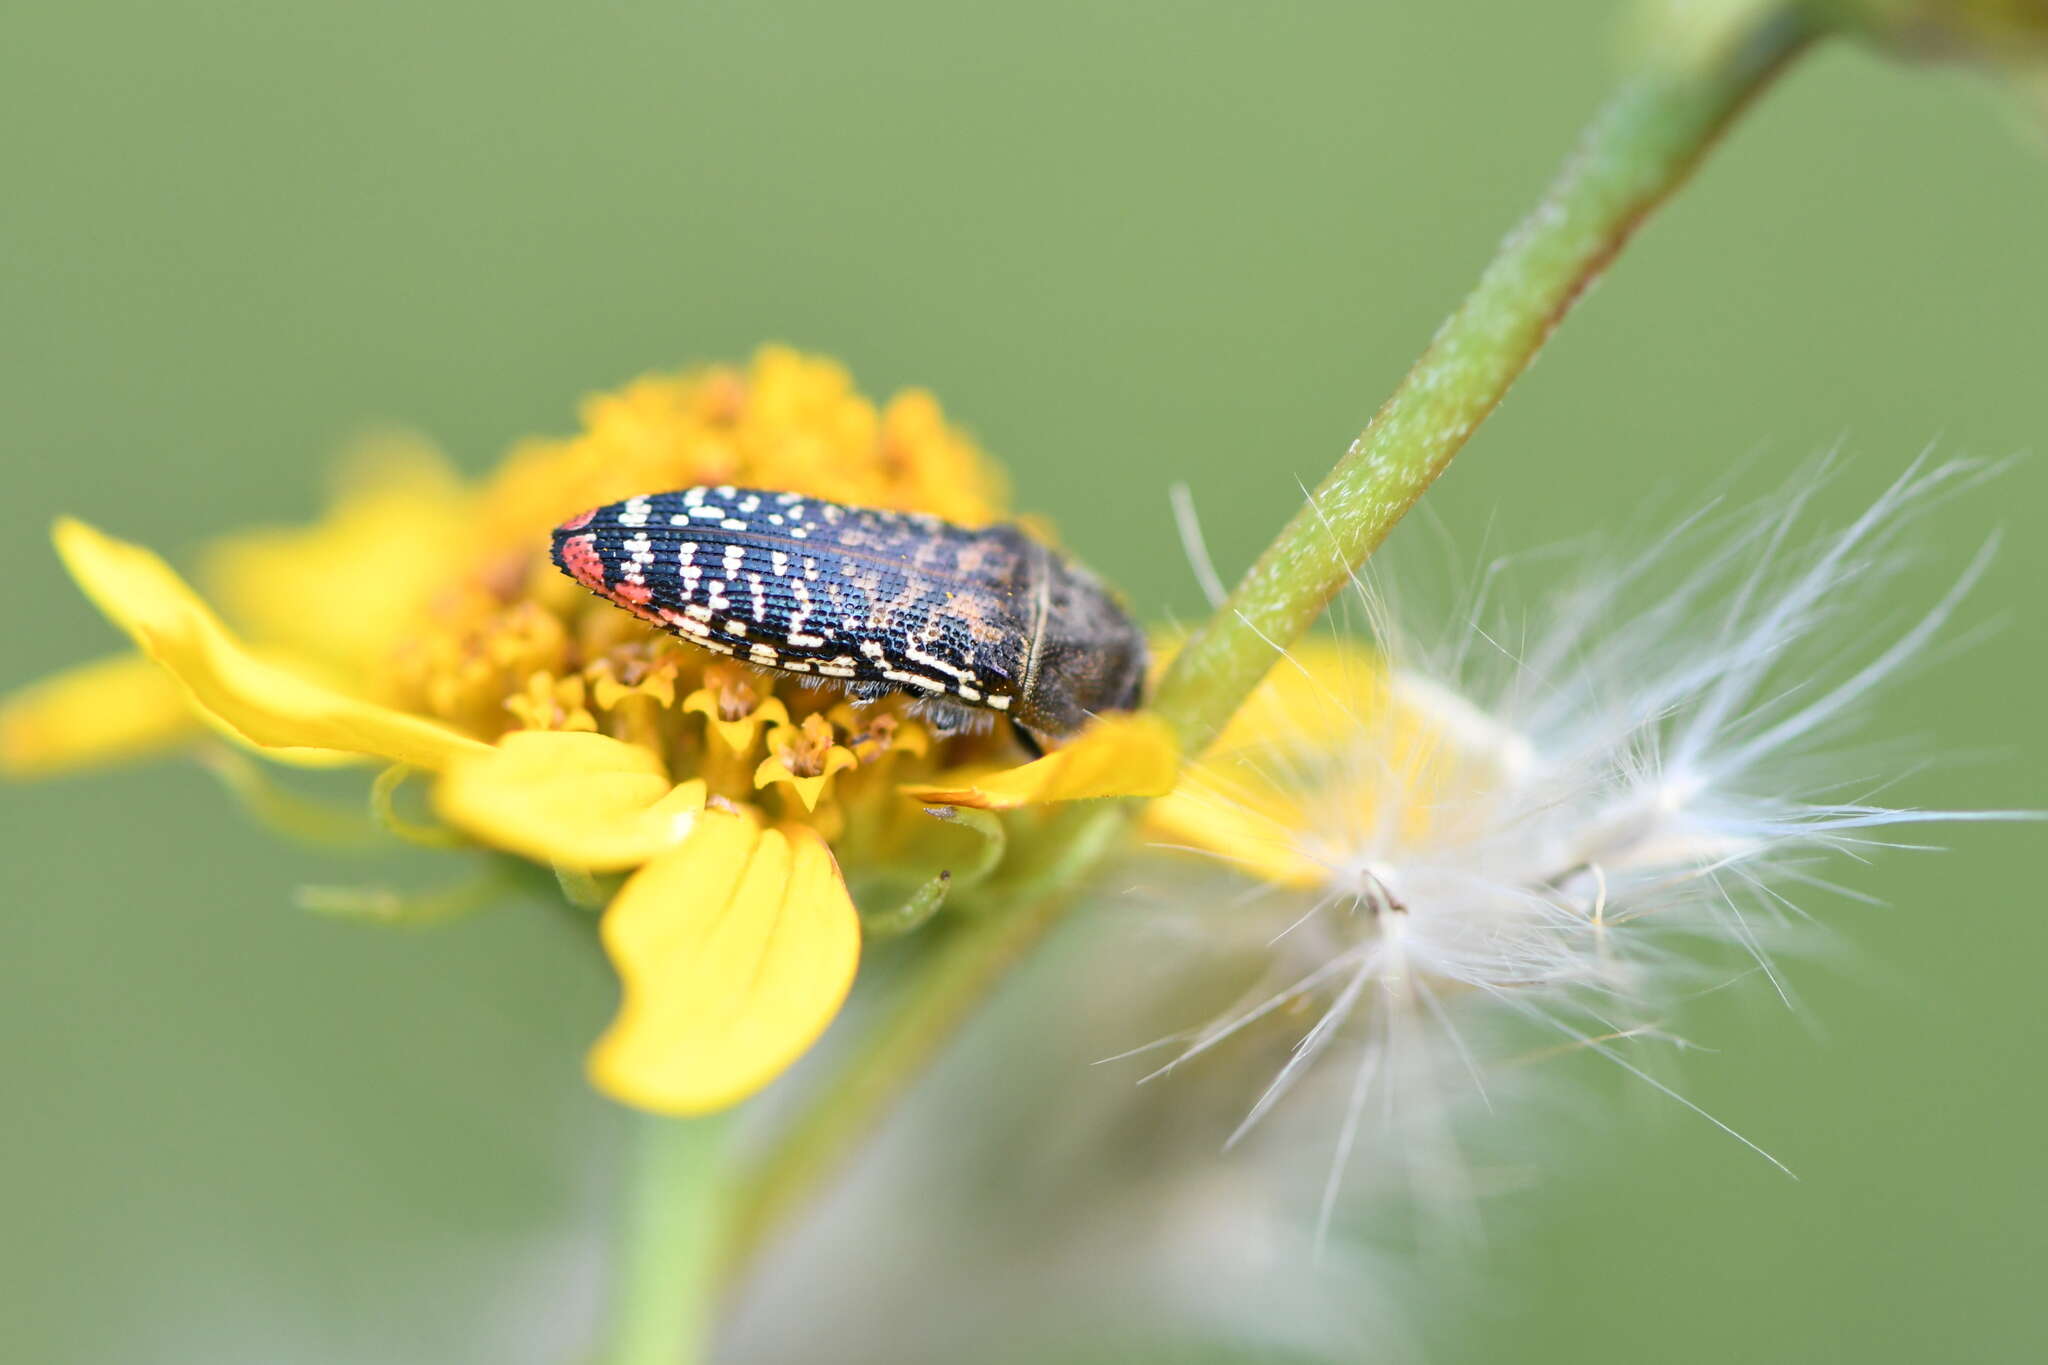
x: 914, y: 680
x: 918, y: 656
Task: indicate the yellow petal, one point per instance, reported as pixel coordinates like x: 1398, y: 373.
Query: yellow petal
x: 103, y: 712
x: 734, y: 952
x: 1253, y: 831
x: 871, y: 735
x: 1120, y: 755
x: 344, y: 590
x: 1328, y: 743
x: 1322, y: 682
x: 736, y: 735
x: 569, y: 797
x: 269, y: 706
x: 809, y: 786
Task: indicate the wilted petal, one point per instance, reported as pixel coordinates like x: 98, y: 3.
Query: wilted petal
x: 269, y: 706
x: 570, y: 797
x: 103, y: 712
x: 1121, y: 755
x: 735, y: 950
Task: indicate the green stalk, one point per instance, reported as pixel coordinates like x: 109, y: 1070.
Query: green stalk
x: 1639, y: 149
x: 666, y: 1291
x: 964, y: 969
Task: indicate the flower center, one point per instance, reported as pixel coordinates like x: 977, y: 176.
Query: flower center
x: 737, y: 697
x: 807, y: 751
x: 509, y: 643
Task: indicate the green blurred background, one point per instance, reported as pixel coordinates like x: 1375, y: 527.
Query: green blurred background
x: 1126, y: 244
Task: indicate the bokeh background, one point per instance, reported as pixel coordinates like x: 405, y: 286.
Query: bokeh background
x: 1126, y: 244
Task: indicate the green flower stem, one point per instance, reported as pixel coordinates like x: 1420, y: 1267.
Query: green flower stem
x: 1639, y: 149
x: 666, y: 1290
x: 964, y: 969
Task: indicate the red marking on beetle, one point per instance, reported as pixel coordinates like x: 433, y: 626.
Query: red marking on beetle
x: 634, y: 597
x: 579, y: 521
x: 580, y: 554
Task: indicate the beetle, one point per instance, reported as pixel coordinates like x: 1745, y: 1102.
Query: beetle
x: 970, y: 623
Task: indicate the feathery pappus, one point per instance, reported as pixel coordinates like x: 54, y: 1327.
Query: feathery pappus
x: 1564, y: 820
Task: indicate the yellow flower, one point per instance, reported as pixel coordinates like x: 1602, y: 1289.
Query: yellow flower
x: 422, y: 625
x: 1122, y: 755
x: 805, y: 756
x: 1282, y: 796
x: 102, y: 712
x: 734, y: 707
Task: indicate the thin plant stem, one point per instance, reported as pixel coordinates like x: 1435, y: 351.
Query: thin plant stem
x: 665, y: 1293
x: 1636, y: 153
x: 1639, y: 149
x: 964, y: 968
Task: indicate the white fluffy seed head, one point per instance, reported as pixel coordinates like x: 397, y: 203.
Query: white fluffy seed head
x: 1623, y: 789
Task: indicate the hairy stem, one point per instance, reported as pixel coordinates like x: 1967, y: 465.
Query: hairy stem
x: 1639, y: 149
